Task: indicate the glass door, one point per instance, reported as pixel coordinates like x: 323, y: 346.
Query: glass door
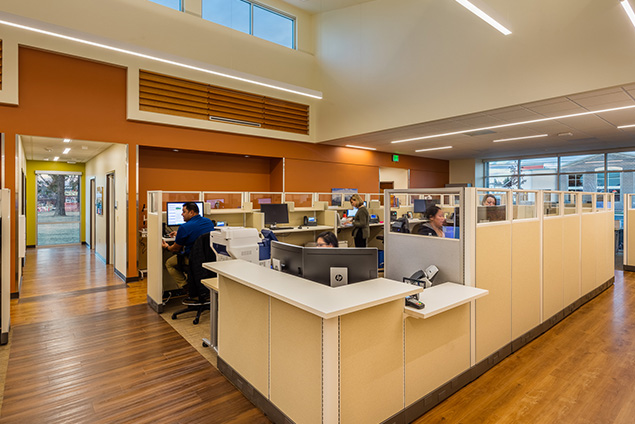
x: 58, y: 208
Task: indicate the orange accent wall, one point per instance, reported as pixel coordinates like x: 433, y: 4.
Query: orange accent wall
x: 307, y: 175
x: 69, y: 97
x: 427, y: 179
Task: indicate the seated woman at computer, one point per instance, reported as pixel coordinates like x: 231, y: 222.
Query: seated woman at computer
x: 489, y: 200
x: 195, y: 226
x: 434, y: 226
x: 361, y: 221
x: 327, y: 239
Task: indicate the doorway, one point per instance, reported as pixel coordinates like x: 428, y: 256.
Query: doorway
x: 111, y: 206
x: 92, y: 215
x: 58, y: 207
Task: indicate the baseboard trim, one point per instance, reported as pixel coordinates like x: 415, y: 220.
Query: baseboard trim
x: 101, y: 258
x: 629, y: 268
x: 254, y: 396
x: 121, y: 275
x: 4, y: 338
x: 15, y: 295
x: 156, y: 307
x: 31, y: 246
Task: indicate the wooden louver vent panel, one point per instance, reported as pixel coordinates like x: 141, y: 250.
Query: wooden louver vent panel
x: 175, y: 96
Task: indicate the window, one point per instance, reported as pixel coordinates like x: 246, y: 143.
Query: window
x: 172, y: 4
x: 574, y: 182
x: 250, y: 18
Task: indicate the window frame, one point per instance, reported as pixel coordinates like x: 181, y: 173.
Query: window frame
x: 266, y: 8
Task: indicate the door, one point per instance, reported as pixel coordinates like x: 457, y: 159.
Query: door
x: 92, y: 215
x: 110, y: 218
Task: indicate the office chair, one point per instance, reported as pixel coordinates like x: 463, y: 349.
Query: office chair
x: 200, y: 253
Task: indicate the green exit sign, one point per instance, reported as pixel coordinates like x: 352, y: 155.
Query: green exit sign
x: 395, y: 158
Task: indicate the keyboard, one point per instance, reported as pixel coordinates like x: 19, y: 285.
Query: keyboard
x: 283, y: 228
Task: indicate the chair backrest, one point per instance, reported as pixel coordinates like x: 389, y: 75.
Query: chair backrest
x: 200, y: 253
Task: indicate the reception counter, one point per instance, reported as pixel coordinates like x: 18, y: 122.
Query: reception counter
x: 309, y: 353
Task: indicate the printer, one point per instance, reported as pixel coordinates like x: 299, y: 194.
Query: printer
x: 237, y: 243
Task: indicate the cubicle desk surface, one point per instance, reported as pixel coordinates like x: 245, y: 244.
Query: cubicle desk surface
x: 444, y: 297
x: 304, y: 229
x: 318, y: 299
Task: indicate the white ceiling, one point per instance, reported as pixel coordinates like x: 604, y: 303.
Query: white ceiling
x: 45, y: 148
x: 589, y: 132
x: 319, y: 6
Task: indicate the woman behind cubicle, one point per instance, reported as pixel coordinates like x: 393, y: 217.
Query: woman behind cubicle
x: 327, y: 239
x: 489, y: 200
x: 434, y: 226
x: 361, y: 221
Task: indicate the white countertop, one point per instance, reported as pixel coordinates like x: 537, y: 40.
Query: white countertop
x: 444, y: 297
x: 318, y: 299
x: 303, y: 229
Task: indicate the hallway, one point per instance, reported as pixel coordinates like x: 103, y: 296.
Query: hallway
x: 86, y: 348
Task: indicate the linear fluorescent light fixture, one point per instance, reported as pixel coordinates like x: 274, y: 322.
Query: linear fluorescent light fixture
x: 56, y: 158
x: 360, y: 147
x: 302, y: 92
x: 433, y: 148
x: 626, y: 126
x: 629, y: 10
x: 67, y: 140
x: 520, y: 138
x: 533, y: 121
x: 68, y: 149
x: 484, y: 16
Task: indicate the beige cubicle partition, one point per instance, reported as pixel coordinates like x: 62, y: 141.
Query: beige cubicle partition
x: 538, y: 269
x: 493, y: 273
x: 629, y: 233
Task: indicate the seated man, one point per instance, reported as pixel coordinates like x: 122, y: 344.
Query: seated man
x: 195, y: 226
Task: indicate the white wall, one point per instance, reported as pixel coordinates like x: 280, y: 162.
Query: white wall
x: 397, y: 175
x: 114, y: 159
x: 389, y: 63
x: 463, y: 171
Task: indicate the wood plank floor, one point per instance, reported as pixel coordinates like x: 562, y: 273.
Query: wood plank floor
x: 581, y: 371
x: 85, y: 348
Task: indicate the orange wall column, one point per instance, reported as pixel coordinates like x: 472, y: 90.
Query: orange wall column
x: 133, y: 210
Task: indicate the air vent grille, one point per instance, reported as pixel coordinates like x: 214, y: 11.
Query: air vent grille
x: 175, y: 96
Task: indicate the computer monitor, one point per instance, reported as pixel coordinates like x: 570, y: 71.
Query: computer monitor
x: 275, y: 213
x: 174, y: 210
x: 361, y: 263
x: 288, y: 256
x: 351, y: 212
x: 419, y: 206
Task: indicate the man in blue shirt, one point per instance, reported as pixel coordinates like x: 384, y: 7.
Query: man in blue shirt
x: 195, y: 226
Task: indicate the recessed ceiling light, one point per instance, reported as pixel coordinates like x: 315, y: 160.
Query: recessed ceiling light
x: 56, y: 158
x: 433, y: 148
x: 360, y: 147
x: 484, y: 16
x: 626, y: 126
x: 520, y: 138
x: 220, y: 72
x: 67, y: 140
x: 629, y: 10
x: 46, y: 158
x: 84, y: 147
x: 48, y: 149
x: 71, y: 162
x: 573, y: 115
x: 175, y: 150
x: 68, y: 149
